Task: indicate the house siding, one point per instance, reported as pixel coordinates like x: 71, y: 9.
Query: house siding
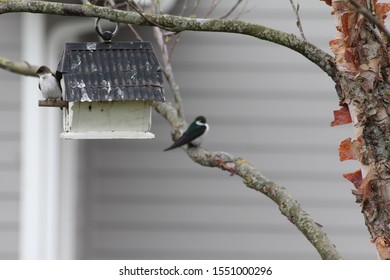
x: 10, y: 48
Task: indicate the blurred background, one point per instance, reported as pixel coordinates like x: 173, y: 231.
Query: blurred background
x: 127, y: 199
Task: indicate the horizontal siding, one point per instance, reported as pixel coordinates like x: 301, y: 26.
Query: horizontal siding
x: 9, y: 139
x: 263, y: 102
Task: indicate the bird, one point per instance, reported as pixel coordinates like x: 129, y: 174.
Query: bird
x: 49, y: 84
x: 194, y: 134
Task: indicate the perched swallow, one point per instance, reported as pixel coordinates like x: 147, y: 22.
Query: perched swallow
x: 49, y: 84
x: 193, y: 135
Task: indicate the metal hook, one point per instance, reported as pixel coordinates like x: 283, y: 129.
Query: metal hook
x: 105, y: 35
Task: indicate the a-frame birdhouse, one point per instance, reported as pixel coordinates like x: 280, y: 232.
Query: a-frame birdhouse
x: 110, y: 88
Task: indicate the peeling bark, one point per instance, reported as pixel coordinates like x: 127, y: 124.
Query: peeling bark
x: 362, y: 58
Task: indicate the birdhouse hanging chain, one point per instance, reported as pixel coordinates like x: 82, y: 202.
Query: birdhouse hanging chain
x: 105, y: 35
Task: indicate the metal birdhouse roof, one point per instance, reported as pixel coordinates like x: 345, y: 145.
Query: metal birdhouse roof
x: 111, y: 72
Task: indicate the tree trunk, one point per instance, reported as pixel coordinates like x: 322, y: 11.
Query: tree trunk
x: 363, y: 84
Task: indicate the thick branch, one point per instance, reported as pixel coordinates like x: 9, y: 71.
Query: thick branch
x: 255, y: 180
x: 178, y: 24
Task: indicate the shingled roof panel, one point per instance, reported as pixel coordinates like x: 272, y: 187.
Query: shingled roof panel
x: 111, y: 71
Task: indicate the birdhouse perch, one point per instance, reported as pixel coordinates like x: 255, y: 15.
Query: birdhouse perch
x: 110, y: 88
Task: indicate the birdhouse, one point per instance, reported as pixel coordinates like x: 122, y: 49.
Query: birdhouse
x: 110, y: 88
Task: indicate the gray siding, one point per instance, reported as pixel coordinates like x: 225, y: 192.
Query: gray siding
x: 9, y: 139
x: 263, y: 102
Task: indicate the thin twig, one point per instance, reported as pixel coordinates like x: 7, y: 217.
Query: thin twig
x: 299, y: 23
x: 183, y: 8
x: 177, y: 35
x: 132, y: 29
x: 177, y: 39
x: 214, y: 4
x: 158, y: 34
x: 194, y: 8
x: 242, y: 11
x: 370, y: 17
x: 136, y: 7
x: 232, y: 9
x: 136, y: 34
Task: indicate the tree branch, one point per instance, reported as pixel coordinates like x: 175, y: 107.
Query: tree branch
x: 255, y: 180
x: 299, y: 23
x: 158, y: 34
x: 231, y: 10
x: 177, y: 24
x: 22, y: 68
x: 370, y: 17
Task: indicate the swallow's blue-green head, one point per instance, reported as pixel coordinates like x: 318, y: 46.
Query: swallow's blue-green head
x: 200, y: 120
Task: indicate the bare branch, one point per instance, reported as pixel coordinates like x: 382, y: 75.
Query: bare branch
x: 253, y: 179
x: 195, y: 7
x: 242, y: 11
x: 140, y: 12
x: 136, y: 34
x: 214, y: 4
x: 231, y: 10
x: 178, y: 24
x: 131, y: 28
x: 371, y: 17
x: 183, y: 8
x: 299, y: 23
x: 169, y: 72
x: 22, y: 68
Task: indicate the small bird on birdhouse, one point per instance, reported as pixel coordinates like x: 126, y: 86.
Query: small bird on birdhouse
x: 194, y: 134
x: 49, y: 84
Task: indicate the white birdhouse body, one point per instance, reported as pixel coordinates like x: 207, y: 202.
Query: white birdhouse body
x: 110, y: 88
x: 108, y: 120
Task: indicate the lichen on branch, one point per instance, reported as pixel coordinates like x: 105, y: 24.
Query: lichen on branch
x: 178, y: 24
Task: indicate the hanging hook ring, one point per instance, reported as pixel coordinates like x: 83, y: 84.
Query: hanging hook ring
x: 105, y: 35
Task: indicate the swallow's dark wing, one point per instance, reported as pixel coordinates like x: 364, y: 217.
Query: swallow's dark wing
x: 187, y: 137
x: 58, y: 77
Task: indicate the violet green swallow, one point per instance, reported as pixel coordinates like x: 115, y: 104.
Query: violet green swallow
x: 49, y: 84
x: 193, y: 135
